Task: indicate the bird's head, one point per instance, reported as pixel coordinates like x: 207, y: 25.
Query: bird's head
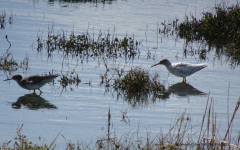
x: 15, y: 77
x: 162, y: 62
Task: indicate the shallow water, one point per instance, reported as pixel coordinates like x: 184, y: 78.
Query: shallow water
x: 84, y: 111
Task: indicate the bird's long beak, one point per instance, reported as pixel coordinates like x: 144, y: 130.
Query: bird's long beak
x: 155, y: 64
x: 7, y: 79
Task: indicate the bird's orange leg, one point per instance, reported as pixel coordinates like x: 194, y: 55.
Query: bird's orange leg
x: 184, y: 80
x: 40, y: 91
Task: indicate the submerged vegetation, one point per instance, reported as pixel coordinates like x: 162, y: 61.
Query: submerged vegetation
x: 220, y: 29
x: 3, y: 19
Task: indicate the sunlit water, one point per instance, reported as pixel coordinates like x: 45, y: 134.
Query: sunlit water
x: 84, y: 110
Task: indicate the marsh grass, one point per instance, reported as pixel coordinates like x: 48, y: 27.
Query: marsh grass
x: 7, y: 63
x: 106, y: 45
x: 179, y: 136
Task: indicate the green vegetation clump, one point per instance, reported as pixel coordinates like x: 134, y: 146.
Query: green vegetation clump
x: 135, y: 86
x: 220, y: 29
x: 138, y: 80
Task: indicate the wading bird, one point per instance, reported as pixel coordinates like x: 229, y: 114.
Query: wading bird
x: 181, y: 69
x: 32, y: 82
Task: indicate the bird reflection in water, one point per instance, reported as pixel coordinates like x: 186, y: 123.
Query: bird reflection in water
x: 184, y: 89
x: 33, y: 102
x: 180, y: 89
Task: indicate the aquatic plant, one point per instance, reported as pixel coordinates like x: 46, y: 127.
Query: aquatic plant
x: 70, y: 79
x: 7, y: 62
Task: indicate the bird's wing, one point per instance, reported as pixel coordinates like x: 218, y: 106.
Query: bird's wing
x: 188, y: 68
x: 181, y: 65
x: 33, y: 79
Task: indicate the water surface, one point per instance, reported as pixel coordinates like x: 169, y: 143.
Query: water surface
x: 84, y: 110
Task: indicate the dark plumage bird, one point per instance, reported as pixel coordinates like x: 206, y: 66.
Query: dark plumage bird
x: 32, y: 82
x: 181, y: 69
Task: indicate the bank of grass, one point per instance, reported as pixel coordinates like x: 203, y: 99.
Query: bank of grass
x: 220, y: 28
x: 178, y: 136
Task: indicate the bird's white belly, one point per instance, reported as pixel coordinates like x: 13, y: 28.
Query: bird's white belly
x: 177, y: 72
x: 33, y: 86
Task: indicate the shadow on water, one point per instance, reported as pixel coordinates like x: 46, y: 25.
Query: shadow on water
x: 142, y: 98
x: 33, y: 102
x: 184, y: 89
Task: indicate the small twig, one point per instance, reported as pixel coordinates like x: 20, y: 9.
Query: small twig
x: 8, y: 42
